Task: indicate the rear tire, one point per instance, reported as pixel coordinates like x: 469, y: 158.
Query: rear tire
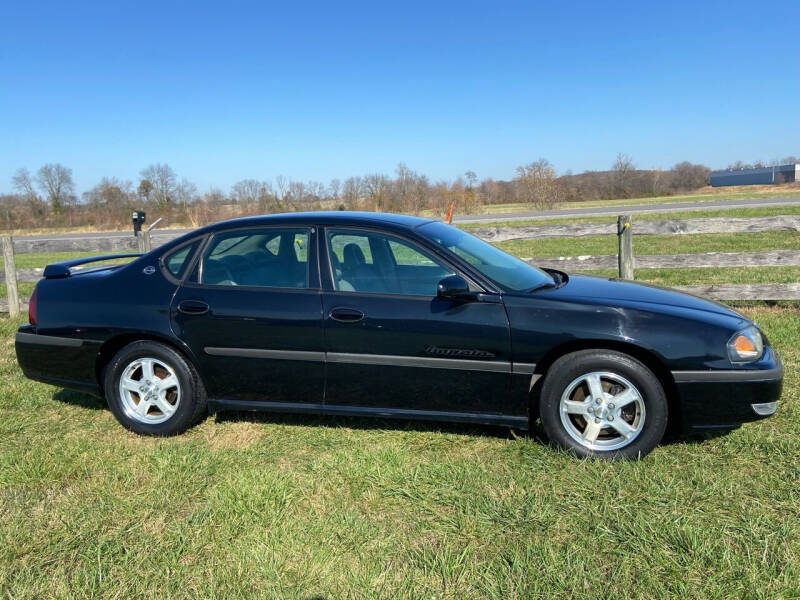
x: 603, y: 403
x: 153, y: 390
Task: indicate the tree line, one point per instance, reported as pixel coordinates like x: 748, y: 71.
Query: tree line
x: 47, y: 198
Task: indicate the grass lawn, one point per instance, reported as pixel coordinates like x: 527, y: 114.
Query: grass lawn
x: 656, y: 244
x: 32, y: 261
x: 705, y: 276
x: 299, y: 507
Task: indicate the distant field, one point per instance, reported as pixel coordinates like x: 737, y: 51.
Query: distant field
x: 739, y: 213
x: 706, y: 195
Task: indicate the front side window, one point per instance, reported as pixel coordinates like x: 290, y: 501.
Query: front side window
x: 380, y: 263
x: 271, y: 257
x: 509, y: 272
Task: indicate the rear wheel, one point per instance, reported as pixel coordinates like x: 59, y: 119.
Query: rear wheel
x: 153, y: 390
x: 603, y: 403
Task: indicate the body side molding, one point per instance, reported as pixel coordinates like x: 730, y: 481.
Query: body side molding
x: 388, y: 360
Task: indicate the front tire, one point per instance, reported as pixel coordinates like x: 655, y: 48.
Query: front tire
x: 603, y: 403
x: 152, y: 390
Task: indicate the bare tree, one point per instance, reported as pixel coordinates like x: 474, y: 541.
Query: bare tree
x: 536, y: 184
x: 282, y: 184
x: 185, y: 192
x: 55, y: 182
x: 352, y: 191
x: 686, y: 176
x: 470, y: 193
x: 110, y: 193
x: 419, y: 193
x: 23, y: 184
x: 623, y: 170
x: 377, y: 191
x: 163, y: 180
x: 247, y: 191
x: 315, y: 191
x: 333, y: 189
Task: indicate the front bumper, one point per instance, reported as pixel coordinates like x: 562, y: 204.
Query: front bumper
x: 724, y: 399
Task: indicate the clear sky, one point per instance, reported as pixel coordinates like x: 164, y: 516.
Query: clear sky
x: 229, y: 90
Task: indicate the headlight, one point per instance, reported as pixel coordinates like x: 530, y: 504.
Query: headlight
x: 746, y: 345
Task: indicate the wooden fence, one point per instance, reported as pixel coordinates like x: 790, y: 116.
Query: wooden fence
x: 625, y: 261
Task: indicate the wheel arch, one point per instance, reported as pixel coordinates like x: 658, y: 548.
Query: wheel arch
x: 116, y: 343
x: 646, y: 357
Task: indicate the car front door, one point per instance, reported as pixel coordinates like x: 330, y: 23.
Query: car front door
x: 393, y: 346
x: 251, y: 313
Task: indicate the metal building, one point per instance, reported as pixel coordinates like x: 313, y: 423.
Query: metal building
x: 763, y: 176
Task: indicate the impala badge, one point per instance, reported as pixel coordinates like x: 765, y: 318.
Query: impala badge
x: 458, y: 352
x: 149, y: 270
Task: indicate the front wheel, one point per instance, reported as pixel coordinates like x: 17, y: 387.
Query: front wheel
x: 152, y: 390
x: 603, y: 403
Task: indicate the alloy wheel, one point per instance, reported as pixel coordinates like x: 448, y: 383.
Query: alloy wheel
x: 149, y: 390
x: 602, y: 411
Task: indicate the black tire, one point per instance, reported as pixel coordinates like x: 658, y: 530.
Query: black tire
x: 651, y: 411
x: 191, y: 407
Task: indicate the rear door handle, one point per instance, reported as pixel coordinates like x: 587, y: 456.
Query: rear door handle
x: 193, y: 307
x: 346, y: 315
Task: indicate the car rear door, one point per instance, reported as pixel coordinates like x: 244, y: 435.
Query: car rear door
x: 393, y: 346
x: 251, y: 313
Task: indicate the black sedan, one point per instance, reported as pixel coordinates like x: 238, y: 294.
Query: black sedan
x: 392, y: 316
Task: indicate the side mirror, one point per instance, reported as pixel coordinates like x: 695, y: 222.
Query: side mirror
x: 453, y: 287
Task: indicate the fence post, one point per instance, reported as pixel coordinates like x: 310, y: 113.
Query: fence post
x: 11, y: 276
x: 143, y: 240
x: 625, y: 256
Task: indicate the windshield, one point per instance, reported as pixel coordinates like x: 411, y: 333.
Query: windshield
x: 508, y: 272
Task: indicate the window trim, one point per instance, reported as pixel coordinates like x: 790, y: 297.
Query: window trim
x: 311, y: 256
x: 328, y: 282
x: 190, y: 260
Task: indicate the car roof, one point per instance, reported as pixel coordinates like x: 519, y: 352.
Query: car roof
x: 342, y: 218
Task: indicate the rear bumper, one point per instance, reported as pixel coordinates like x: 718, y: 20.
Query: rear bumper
x: 726, y: 399
x: 62, y: 361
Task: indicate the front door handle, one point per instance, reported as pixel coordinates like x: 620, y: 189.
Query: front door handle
x: 193, y: 307
x: 346, y: 315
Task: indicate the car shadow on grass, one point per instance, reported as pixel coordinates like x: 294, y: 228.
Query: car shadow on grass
x: 536, y: 432
x: 367, y: 423
x: 80, y: 399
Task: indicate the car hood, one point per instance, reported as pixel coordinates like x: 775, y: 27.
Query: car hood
x: 618, y: 292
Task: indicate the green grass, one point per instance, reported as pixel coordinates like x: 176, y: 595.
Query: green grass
x: 33, y: 261
x: 739, y: 213
x: 707, y: 276
x: 301, y: 507
x: 656, y: 244
x: 779, y: 192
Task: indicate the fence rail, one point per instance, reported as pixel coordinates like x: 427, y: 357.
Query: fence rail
x: 625, y: 261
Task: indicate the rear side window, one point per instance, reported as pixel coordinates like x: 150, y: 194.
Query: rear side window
x: 272, y: 257
x: 177, y: 261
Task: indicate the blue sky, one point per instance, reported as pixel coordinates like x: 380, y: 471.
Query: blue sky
x: 228, y: 90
